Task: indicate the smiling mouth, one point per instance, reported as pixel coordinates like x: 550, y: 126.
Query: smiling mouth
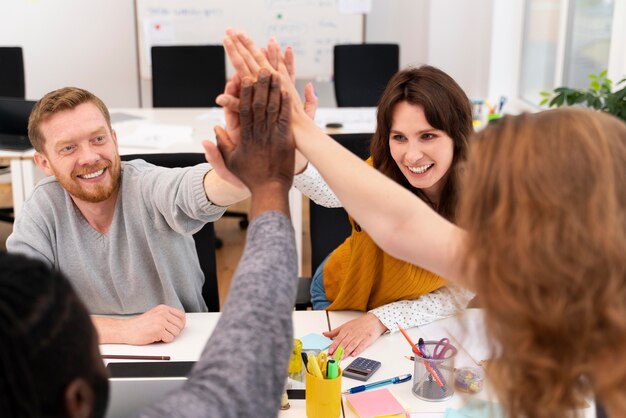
x: 92, y: 175
x: 421, y: 169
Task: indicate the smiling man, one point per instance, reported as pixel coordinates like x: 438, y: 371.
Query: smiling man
x: 121, y: 231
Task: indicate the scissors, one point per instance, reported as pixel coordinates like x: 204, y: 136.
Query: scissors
x: 322, y: 359
x: 442, y: 347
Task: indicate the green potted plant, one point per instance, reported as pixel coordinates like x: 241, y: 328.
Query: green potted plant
x: 598, y: 95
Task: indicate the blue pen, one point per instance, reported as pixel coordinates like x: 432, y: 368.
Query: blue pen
x: 392, y: 381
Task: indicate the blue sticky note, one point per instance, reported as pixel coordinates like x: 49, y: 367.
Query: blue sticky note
x: 314, y: 341
x: 476, y: 408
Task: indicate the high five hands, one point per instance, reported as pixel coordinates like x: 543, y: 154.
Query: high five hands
x: 263, y: 157
x: 248, y: 61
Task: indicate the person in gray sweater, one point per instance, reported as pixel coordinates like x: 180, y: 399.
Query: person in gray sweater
x: 41, y: 317
x: 121, y: 232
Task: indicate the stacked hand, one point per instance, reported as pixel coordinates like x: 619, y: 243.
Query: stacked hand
x: 263, y: 157
x: 248, y: 62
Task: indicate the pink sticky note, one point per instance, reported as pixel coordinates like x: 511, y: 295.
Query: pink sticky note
x: 374, y: 403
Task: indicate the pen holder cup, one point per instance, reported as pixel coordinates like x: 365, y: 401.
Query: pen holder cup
x: 433, y: 379
x: 323, y: 396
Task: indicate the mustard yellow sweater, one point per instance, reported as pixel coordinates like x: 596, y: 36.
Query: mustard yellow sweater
x: 360, y: 276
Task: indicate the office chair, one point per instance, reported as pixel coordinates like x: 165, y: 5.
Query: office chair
x: 205, y: 237
x: 190, y: 76
x: 12, y: 84
x: 361, y: 72
x: 329, y: 227
x: 12, y: 72
x: 187, y: 75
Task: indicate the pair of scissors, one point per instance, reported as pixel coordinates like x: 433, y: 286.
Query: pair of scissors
x: 441, y: 348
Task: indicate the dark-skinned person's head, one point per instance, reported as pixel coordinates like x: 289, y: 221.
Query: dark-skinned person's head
x: 50, y: 365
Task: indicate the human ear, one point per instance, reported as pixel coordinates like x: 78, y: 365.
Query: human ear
x: 42, y: 162
x: 114, y: 136
x: 79, y: 399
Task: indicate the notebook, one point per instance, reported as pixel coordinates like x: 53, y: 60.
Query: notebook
x: 375, y: 403
x: 14, y: 115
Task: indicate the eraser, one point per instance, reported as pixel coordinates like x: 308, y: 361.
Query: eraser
x: 469, y: 379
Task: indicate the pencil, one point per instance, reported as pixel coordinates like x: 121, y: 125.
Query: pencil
x: 131, y: 357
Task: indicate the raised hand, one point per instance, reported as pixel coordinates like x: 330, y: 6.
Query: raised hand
x: 263, y: 159
x: 356, y: 335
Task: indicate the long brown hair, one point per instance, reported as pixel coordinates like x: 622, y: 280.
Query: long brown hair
x: 544, y: 206
x: 446, y: 108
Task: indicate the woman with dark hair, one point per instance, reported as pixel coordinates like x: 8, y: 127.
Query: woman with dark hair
x: 423, y: 124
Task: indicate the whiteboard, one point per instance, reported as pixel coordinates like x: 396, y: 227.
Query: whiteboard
x: 311, y: 27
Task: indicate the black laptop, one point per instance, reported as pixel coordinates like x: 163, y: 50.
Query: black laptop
x: 14, y: 115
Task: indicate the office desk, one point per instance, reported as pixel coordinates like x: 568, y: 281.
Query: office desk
x: 172, y: 130
x: 189, y: 344
x: 467, y: 334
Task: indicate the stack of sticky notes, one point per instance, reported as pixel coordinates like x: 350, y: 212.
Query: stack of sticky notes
x: 375, y: 403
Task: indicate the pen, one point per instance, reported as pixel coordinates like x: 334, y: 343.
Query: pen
x: 422, y: 346
x: 392, y: 381
x: 130, y: 357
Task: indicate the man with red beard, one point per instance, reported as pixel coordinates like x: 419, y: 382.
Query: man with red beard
x: 121, y: 231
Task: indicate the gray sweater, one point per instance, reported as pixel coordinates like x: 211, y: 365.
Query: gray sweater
x: 147, y: 257
x: 243, y: 367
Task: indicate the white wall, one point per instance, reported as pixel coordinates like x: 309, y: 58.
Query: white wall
x: 92, y: 44
x: 459, y: 42
x: 401, y: 21
x: 89, y: 44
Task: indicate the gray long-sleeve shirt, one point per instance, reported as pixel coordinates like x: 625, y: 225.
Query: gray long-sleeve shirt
x: 148, y: 255
x: 243, y: 367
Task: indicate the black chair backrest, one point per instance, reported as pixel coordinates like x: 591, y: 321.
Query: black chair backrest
x: 330, y: 226
x: 205, y: 237
x: 361, y: 72
x: 12, y: 72
x: 187, y: 75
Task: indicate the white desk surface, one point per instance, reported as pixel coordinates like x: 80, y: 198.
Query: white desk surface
x: 467, y: 333
x: 199, y: 327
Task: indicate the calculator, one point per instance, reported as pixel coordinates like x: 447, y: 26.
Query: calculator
x: 361, y: 368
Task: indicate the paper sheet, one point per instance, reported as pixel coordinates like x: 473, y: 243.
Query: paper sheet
x: 159, y: 136
x: 352, y: 119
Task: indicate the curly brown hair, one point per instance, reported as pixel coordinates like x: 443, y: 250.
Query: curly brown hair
x: 446, y: 108
x: 544, y: 206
